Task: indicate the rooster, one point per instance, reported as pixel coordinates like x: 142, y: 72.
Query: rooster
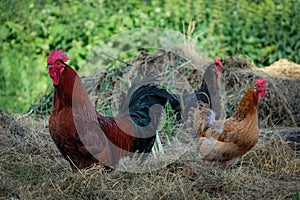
x: 225, y: 141
x: 85, y: 137
x: 207, y: 93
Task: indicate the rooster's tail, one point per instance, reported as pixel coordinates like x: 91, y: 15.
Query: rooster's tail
x: 144, y: 106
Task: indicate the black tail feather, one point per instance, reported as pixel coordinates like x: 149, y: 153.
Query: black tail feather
x: 144, y: 106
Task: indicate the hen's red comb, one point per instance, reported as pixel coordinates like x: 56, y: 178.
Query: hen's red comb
x: 218, y: 62
x: 261, y: 81
x: 57, y: 55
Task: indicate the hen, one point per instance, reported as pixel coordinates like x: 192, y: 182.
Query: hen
x: 85, y: 137
x: 225, y: 141
x: 208, y: 93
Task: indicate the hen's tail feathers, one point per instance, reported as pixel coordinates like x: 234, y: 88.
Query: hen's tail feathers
x: 204, y: 117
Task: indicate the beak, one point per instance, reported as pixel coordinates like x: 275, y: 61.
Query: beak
x: 49, y: 65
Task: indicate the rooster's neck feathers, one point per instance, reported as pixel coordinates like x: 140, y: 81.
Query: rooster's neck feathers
x: 70, y: 91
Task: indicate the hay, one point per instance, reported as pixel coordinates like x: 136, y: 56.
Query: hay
x: 32, y: 168
x: 283, y: 68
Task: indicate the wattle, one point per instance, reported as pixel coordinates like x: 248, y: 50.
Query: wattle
x: 54, y: 74
x: 261, y: 94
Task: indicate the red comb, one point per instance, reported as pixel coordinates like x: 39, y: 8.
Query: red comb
x: 57, y: 55
x: 218, y: 62
x: 261, y: 81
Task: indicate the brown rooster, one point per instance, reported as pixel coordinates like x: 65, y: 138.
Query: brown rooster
x: 85, y: 137
x: 225, y: 141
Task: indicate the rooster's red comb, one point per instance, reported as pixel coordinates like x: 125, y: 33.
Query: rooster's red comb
x: 261, y: 81
x: 57, y: 55
x: 218, y: 62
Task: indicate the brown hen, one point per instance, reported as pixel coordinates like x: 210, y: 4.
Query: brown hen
x: 225, y: 141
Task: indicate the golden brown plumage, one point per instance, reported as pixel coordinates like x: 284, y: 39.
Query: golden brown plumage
x: 226, y: 140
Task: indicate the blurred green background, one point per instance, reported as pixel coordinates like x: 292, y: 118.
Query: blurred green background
x: 263, y: 31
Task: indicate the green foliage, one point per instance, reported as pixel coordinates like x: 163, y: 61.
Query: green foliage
x: 264, y: 31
